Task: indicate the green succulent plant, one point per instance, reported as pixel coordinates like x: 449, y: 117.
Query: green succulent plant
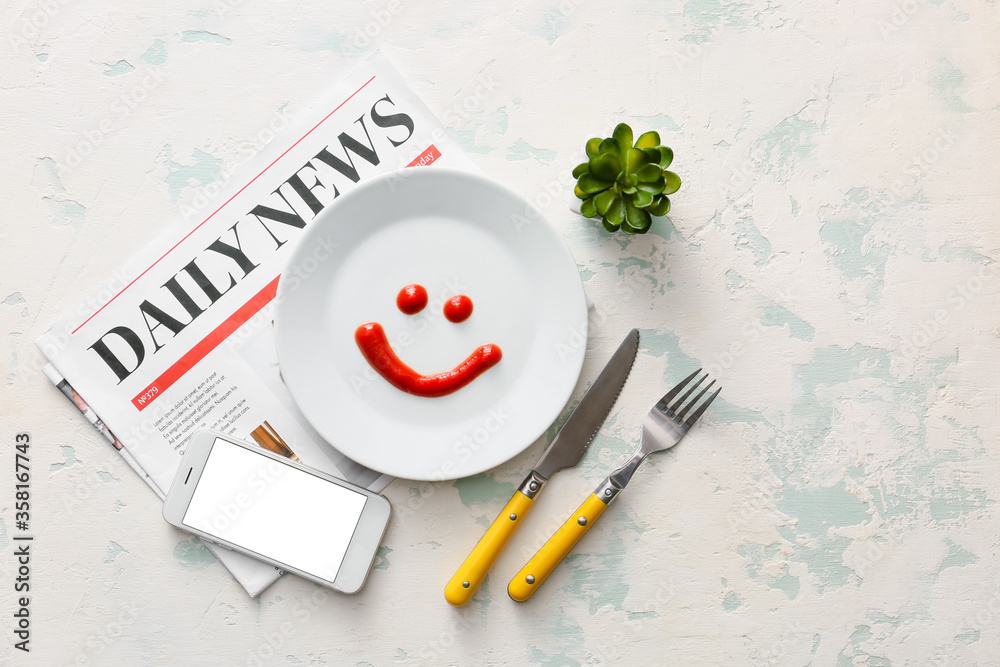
x: 625, y: 184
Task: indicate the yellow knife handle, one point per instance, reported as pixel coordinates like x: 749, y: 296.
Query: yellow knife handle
x: 472, y: 572
x: 541, y: 565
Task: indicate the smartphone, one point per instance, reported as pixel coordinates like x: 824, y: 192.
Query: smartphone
x: 279, y: 511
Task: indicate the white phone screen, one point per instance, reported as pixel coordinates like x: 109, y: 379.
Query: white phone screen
x: 280, y: 512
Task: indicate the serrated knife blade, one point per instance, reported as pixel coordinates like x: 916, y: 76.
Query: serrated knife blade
x: 573, y: 439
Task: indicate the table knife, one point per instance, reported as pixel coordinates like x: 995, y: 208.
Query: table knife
x: 565, y: 451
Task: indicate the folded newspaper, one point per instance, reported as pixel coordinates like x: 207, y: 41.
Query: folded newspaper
x: 181, y: 338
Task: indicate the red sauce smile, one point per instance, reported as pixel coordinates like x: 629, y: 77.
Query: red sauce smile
x: 375, y: 348
x: 458, y: 308
x: 412, y: 299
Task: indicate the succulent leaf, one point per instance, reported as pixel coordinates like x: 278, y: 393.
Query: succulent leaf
x: 654, y: 188
x: 605, y: 167
x: 636, y: 218
x: 648, y: 139
x: 630, y: 190
x: 588, y: 209
x: 604, y: 200
x: 616, y: 212
x: 581, y: 169
x: 579, y: 193
x: 609, y: 146
x: 673, y: 182
x: 611, y: 226
x: 649, y: 173
x: 623, y: 135
x: 661, y: 206
x: 590, y: 184
x: 592, y: 146
x: 634, y: 159
x: 666, y: 156
x: 642, y: 199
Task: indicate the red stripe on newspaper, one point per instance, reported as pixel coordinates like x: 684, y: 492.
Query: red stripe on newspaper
x: 207, y: 344
x: 226, y: 204
x: 425, y: 158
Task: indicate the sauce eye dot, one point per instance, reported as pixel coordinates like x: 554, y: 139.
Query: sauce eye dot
x: 411, y: 299
x: 458, y: 308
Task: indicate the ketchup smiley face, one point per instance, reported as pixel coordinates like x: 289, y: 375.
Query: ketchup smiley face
x: 374, y: 345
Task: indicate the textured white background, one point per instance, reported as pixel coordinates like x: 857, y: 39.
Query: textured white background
x: 830, y: 256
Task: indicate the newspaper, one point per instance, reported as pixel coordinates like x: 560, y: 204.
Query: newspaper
x: 181, y: 338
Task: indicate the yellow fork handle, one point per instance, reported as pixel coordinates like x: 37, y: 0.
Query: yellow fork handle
x: 472, y: 572
x: 541, y: 565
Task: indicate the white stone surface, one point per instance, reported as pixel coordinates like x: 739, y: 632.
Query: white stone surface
x: 830, y: 257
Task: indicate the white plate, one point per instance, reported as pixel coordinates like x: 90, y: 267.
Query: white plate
x: 454, y: 233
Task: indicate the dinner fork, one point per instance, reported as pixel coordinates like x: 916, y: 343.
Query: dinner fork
x: 662, y: 428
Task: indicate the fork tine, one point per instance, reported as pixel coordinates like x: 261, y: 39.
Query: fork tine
x: 680, y: 414
x: 677, y: 389
x: 704, y: 406
x: 680, y: 401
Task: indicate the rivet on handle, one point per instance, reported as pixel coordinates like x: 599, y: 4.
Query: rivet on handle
x: 531, y: 485
x: 465, y: 584
x: 582, y: 521
x: 513, y: 517
x: 530, y: 578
